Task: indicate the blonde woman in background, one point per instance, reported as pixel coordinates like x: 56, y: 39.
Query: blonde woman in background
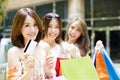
x: 77, y: 35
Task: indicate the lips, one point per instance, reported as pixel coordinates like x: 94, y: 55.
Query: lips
x: 33, y: 35
x: 72, y: 35
x: 52, y: 35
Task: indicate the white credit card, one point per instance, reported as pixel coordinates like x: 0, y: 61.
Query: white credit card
x: 30, y: 46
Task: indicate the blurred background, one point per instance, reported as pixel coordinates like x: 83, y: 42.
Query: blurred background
x: 101, y: 16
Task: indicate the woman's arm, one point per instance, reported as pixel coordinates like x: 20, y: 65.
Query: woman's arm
x: 16, y: 69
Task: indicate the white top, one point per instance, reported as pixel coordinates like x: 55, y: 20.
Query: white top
x: 56, y: 50
x: 39, y: 54
x: 63, y: 50
x: 71, y: 49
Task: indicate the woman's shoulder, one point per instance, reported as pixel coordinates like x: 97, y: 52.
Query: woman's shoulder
x: 43, y: 43
x: 13, y: 56
x: 14, y: 50
x: 67, y: 45
x: 64, y: 44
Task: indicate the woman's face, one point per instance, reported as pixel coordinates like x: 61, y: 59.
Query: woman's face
x: 53, y: 30
x: 29, y: 29
x: 74, y: 32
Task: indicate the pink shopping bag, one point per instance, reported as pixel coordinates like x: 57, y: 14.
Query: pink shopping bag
x: 57, y: 78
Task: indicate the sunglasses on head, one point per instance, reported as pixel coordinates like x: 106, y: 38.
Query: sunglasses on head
x: 52, y: 15
x: 76, y: 19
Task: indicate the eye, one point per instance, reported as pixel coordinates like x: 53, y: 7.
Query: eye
x: 35, y: 25
x: 78, y: 30
x: 57, y: 27
x: 72, y: 27
x: 50, y: 26
x: 26, y: 25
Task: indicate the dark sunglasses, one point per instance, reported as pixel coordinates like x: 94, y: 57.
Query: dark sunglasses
x: 52, y: 15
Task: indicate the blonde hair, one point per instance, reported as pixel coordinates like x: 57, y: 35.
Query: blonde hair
x: 83, y: 41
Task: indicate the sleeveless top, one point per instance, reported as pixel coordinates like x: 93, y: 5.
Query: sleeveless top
x: 16, y: 71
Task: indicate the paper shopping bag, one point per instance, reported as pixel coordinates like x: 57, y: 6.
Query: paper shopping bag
x: 79, y: 69
x: 112, y: 71
x: 101, y: 66
x: 57, y: 78
x: 58, y: 68
x: 101, y: 58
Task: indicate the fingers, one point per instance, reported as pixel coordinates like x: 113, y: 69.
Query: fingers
x: 29, y: 59
x: 23, y: 57
x: 29, y: 62
x: 50, y: 61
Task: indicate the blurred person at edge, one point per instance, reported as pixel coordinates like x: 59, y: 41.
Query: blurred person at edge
x: 26, y: 25
x: 77, y: 34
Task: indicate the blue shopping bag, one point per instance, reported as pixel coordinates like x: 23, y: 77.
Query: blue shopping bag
x: 113, y: 74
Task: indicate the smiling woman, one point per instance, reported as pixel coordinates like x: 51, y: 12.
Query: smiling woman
x: 52, y: 38
x: 77, y: 34
x: 26, y: 25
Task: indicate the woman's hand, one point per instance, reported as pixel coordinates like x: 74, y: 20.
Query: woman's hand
x: 28, y: 66
x: 49, y: 67
x: 49, y: 62
x: 27, y: 61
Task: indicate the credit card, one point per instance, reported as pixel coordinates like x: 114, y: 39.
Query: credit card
x: 30, y: 46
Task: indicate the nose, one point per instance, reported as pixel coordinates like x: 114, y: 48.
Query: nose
x: 53, y: 29
x: 72, y: 31
x: 32, y: 28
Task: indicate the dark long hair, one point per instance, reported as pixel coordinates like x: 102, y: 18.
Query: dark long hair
x: 16, y: 36
x: 47, y: 19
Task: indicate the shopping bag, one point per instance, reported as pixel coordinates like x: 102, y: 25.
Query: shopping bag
x: 113, y: 74
x: 94, y: 60
x: 58, y: 68
x: 57, y: 78
x: 101, y: 67
x: 79, y: 69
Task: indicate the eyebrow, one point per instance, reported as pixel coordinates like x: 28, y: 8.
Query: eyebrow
x: 26, y: 22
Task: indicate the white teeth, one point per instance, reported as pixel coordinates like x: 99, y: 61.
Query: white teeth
x: 52, y: 34
x: 32, y: 34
